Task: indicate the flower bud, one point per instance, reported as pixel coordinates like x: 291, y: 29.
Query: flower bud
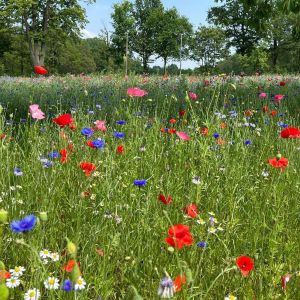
x: 2, y: 266
x: 75, y: 273
x: 278, y: 156
x: 3, y: 216
x: 43, y: 216
x: 4, y: 292
x: 72, y: 249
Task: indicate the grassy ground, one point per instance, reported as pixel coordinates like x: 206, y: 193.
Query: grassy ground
x: 120, y: 228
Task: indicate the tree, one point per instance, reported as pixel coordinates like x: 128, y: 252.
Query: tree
x: 138, y: 21
x: 124, y: 25
x: 209, y: 46
x: 240, y: 24
x: 169, y: 28
x: 43, y: 21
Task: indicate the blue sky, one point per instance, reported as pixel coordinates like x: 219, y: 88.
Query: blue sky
x: 99, y: 16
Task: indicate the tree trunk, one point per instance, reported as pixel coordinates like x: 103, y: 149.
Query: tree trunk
x: 275, y: 53
x: 145, y: 64
x: 165, y: 66
x: 37, y: 52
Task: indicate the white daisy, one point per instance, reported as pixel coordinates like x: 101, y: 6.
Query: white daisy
x: 32, y: 294
x: 17, y: 271
x: 230, y: 297
x: 80, y: 284
x: 196, y: 180
x: 51, y: 283
x: 12, y: 282
x: 45, y: 253
x: 54, y: 256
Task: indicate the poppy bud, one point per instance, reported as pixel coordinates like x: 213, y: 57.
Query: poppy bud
x: 43, y: 216
x: 2, y: 266
x: 4, y: 292
x: 278, y: 156
x: 3, y: 216
x: 72, y: 249
x: 75, y: 274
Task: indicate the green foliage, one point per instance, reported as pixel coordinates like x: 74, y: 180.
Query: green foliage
x: 119, y: 229
x: 209, y: 46
x: 239, y: 24
x: 169, y: 27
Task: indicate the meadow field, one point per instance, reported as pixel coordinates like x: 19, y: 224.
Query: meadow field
x: 150, y: 188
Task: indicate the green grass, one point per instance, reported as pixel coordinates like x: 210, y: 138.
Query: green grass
x: 259, y: 215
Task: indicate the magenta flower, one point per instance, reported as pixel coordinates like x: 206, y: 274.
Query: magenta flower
x: 278, y: 98
x: 35, y: 112
x: 262, y: 96
x: 100, y: 125
x: 183, y: 136
x: 136, y: 92
x: 193, y: 96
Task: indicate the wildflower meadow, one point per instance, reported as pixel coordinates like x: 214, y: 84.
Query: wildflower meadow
x: 149, y: 187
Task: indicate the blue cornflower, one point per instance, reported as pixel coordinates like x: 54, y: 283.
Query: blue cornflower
x: 248, y: 142
x: 23, y: 225
x: 90, y: 112
x: 99, y: 144
x: 87, y: 131
x: 283, y: 125
x: 202, y: 244
x: 67, y: 285
x: 140, y: 182
x: 119, y: 135
x: 54, y: 154
x: 98, y: 106
x: 121, y: 122
x: 18, y: 171
x: 233, y: 113
x: 216, y: 135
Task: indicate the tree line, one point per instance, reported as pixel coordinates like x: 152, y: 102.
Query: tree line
x: 241, y: 36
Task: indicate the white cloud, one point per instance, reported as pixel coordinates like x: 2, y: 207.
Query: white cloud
x: 87, y: 34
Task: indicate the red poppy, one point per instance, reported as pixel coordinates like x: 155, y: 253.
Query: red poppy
x: 172, y: 130
x: 120, y: 149
x: 273, y: 113
x: 265, y: 108
x: 87, y: 167
x: 172, y: 121
x: 164, y: 199
x: 179, y: 236
x: 248, y: 113
x: 206, y: 82
x: 64, y: 155
x: 71, y: 147
x: 204, y: 131
x: 276, y: 162
x: 245, y: 264
x: 223, y: 125
x: 90, y: 144
x: 63, y: 120
x: 181, y: 113
x: 4, y: 274
x: 179, y: 281
x: 284, y: 280
x: 191, y: 210
x: 290, y: 132
x: 72, y: 126
x: 40, y: 70
x: 282, y: 83
x: 70, y: 265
